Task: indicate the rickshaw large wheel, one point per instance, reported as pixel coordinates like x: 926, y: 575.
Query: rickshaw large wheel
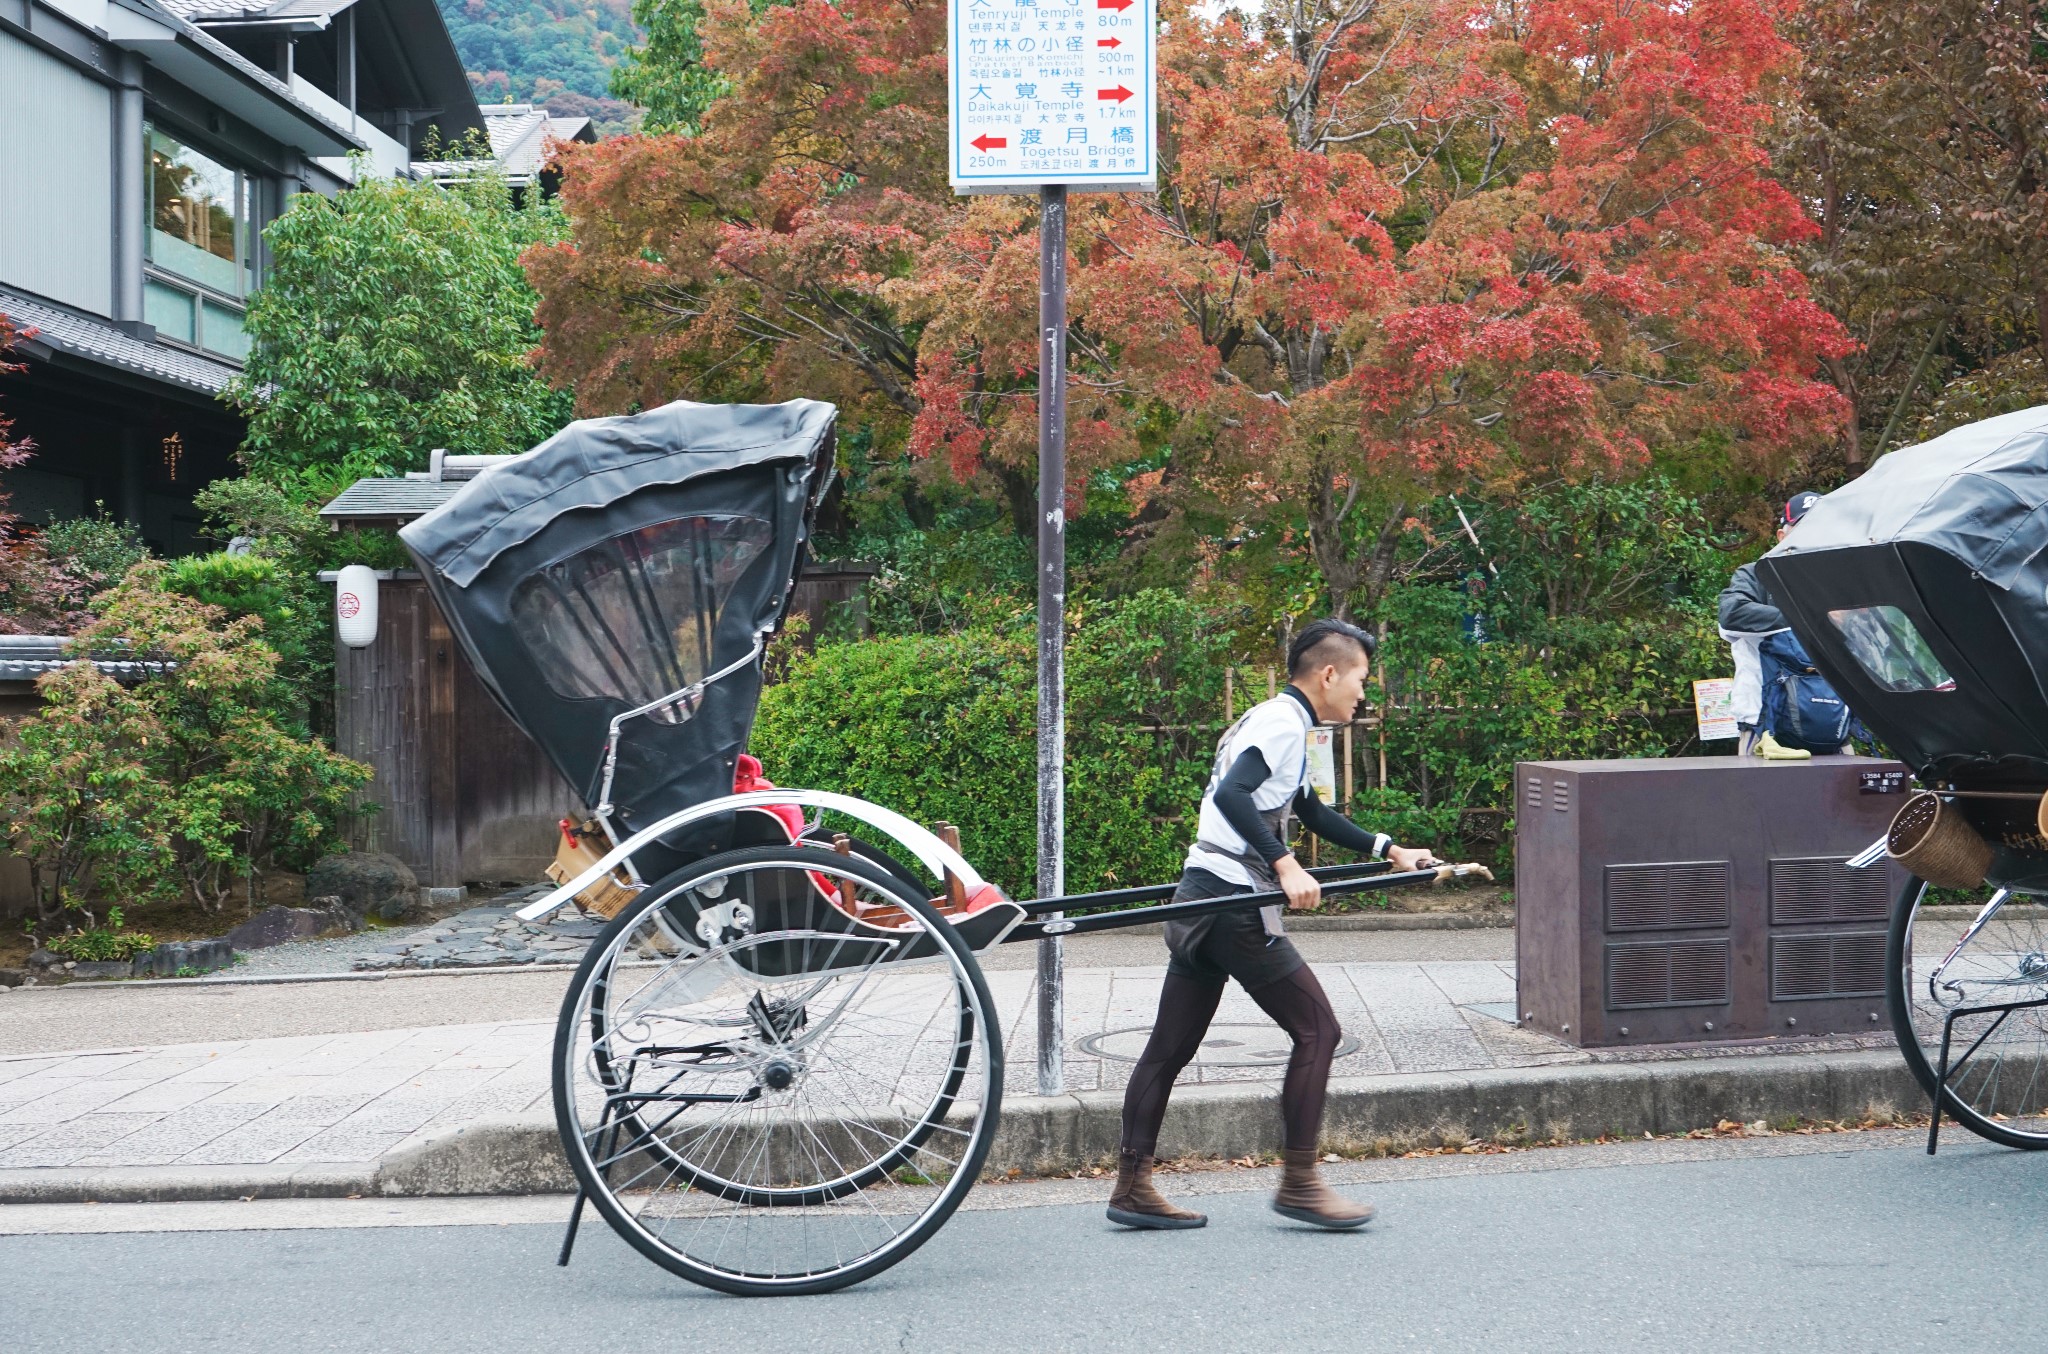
x: 796, y: 1102
x: 2001, y: 1091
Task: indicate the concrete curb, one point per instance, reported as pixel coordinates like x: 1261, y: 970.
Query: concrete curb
x: 181, y: 1184
x: 521, y: 1155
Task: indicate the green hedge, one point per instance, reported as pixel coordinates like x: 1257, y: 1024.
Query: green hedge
x: 942, y: 727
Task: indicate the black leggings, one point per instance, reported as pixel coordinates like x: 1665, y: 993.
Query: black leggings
x: 1186, y: 1005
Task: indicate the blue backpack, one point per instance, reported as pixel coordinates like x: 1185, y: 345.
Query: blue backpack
x: 1800, y: 709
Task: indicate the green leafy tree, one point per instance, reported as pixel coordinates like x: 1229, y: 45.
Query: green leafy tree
x: 396, y: 320
x: 667, y: 76
x: 180, y: 783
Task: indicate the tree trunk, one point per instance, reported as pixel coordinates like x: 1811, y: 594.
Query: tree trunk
x: 1020, y: 494
x: 1379, y: 574
x: 1339, y: 567
x: 1852, y: 453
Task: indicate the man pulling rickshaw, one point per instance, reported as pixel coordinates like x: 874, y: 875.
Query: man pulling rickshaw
x: 1258, y: 786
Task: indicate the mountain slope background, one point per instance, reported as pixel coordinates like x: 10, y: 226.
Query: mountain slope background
x: 554, y: 52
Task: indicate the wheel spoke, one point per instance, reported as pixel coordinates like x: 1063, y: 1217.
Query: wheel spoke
x: 744, y: 1110
x: 1971, y: 971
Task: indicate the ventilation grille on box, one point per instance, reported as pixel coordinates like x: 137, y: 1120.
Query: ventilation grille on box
x: 1804, y: 968
x: 1560, y: 795
x: 1819, y: 890
x: 1535, y: 792
x: 1668, y: 973
x: 1668, y: 896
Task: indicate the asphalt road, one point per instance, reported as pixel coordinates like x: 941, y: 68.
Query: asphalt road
x: 1846, y: 1243
x: 121, y: 1015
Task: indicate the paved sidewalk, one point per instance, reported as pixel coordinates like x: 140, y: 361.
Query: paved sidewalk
x: 354, y: 1098
x: 345, y: 1098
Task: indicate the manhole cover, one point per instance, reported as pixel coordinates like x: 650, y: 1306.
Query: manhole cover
x: 1225, y: 1046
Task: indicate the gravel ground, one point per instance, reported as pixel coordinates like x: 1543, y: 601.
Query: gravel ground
x: 485, y: 942
x: 315, y: 956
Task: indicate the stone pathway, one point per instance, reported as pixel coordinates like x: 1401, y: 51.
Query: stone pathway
x: 353, y: 1097
x: 490, y: 936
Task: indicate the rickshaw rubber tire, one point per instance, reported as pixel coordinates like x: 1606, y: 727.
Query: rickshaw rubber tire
x: 876, y: 1171
x: 1899, y: 1008
x: 968, y: 1172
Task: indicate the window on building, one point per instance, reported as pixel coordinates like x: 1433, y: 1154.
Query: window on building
x: 198, y: 215
x: 203, y: 223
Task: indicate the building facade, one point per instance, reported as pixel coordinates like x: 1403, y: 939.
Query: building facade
x: 144, y: 146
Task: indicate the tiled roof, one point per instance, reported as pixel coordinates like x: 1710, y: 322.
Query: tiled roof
x: 508, y: 124
x: 23, y: 658
x: 204, y: 11
x: 407, y: 498
x: 95, y: 340
x: 520, y: 135
x: 250, y: 11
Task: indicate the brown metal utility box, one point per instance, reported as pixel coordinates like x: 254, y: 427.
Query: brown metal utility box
x: 1683, y: 899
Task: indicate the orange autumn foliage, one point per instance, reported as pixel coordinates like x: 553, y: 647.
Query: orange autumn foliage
x: 1396, y: 244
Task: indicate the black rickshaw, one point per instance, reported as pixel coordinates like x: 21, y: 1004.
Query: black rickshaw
x: 778, y: 1069
x: 1921, y: 592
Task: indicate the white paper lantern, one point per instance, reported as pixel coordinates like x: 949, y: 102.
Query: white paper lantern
x: 355, y: 606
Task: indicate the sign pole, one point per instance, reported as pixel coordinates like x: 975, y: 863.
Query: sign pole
x: 1052, y: 616
x: 1050, y: 96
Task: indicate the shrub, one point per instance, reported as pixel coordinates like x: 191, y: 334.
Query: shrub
x: 253, y: 585
x: 96, y: 550
x: 180, y: 783
x: 943, y: 727
x: 103, y: 942
x: 38, y: 595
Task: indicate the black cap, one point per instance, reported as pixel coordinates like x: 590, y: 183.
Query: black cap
x: 1798, y: 506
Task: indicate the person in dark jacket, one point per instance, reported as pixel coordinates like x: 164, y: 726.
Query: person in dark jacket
x: 1747, y: 617
x: 1259, y: 783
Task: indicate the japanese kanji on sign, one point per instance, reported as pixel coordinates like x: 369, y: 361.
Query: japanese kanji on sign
x: 1053, y: 92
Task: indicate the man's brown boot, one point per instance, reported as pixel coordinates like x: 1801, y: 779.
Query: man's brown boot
x: 1305, y: 1198
x: 1137, y: 1204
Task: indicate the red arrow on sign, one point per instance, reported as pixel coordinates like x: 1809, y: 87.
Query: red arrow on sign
x: 1118, y: 5
x: 1109, y: 42
x: 1119, y: 94
x: 986, y: 142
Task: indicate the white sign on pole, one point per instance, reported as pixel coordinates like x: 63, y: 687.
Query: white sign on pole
x: 1053, y: 91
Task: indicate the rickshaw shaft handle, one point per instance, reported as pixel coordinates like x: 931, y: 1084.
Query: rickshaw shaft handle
x: 1201, y: 907
x: 1146, y: 893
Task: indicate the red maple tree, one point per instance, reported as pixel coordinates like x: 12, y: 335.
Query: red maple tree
x: 1396, y: 244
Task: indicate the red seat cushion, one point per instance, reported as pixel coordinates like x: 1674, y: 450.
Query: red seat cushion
x: 747, y: 778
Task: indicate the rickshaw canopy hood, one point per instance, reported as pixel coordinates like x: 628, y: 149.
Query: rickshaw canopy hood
x: 624, y: 560
x: 1979, y: 494
x: 1921, y: 591
x: 595, y: 462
